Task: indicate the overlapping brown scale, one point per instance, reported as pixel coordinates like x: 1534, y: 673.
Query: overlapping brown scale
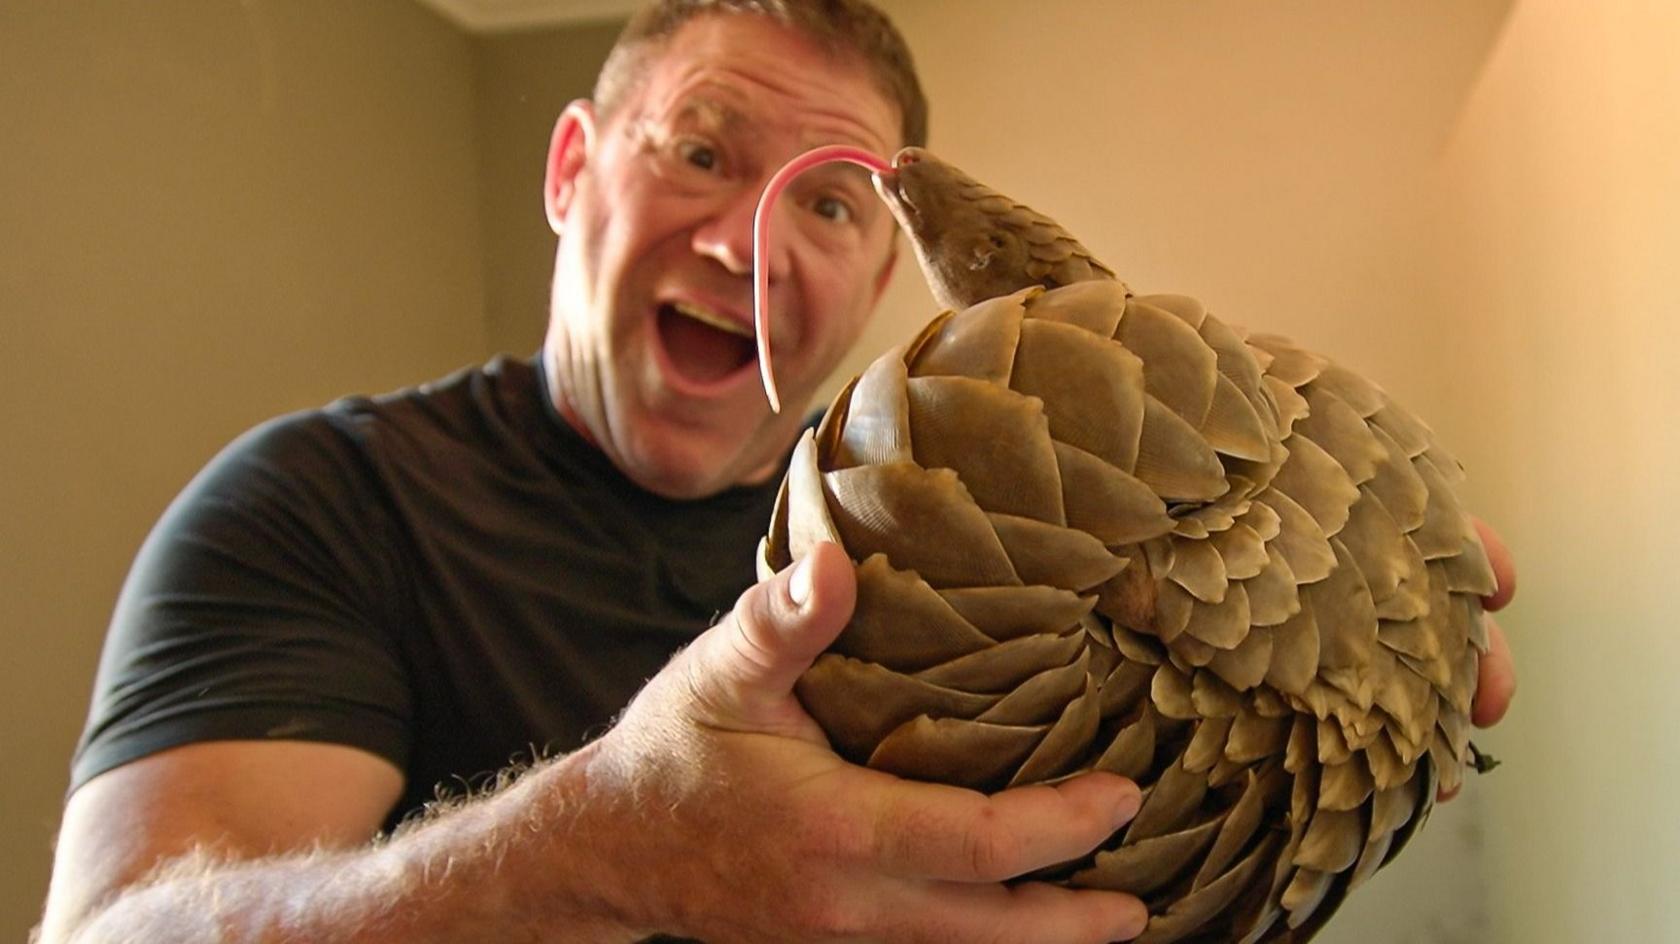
x: 1291, y: 405
x: 1245, y: 665
x: 1095, y: 306
x: 1207, y: 744
x: 1274, y: 593
x: 1290, y: 364
x: 1004, y: 613
x: 979, y: 345
x: 1213, y: 698
x: 1314, y: 480
x: 1147, y: 866
x: 1242, y: 549
x: 1198, y: 567
x: 1342, y: 432
x: 996, y: 440
x: 1040, y: 699
x: 1106, y: 502
x: 858, y: 703
x: 1398, y: 485
x: 877, y: 425
x: 1179, y: 369
x: 1092, y: 389
x: 1301, y: 541
x: 1237, y: 363
x: 1222, y: 625
x: 1174, y: 459
x: 1062, y: 262
x: 954, y: 750
x: 1003, y: 667
x: 1193, y: 911
x: 805, y: 505
x: 1044, y: 553
x: 1189, y: 309
x: 1234, y: 427
x: 1391, y: 564
x: 1170, y: 804
x: 1468, y: 571
x: 888, y: 599
x: 1131, y: 751
x: 1068, y: 740
x: 921, y: 519
x: 1346, y: 615
x: 1361, y: 394
x: 1098, y: 532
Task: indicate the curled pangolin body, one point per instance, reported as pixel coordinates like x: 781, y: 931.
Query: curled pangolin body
x: 1099, y: 531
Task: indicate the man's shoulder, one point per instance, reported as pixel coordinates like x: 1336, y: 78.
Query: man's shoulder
x: 503, y: 387
x: 453, y: 407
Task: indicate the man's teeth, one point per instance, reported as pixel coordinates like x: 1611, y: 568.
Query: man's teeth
x: 712, y: 319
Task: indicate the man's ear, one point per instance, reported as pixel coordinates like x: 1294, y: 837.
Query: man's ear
x: 568, y: 151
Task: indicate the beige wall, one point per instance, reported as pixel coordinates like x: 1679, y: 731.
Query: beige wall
x: 210, y: 213
x: 1472, y: 201
x: 523, y: 81
x: 1556, y: 244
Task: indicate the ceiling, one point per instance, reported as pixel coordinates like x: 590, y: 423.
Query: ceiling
x: 492, y: 16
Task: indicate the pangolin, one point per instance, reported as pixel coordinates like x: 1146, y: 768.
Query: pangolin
x: 1096, y: 530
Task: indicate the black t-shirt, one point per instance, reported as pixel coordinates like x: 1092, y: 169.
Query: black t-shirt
x: 448, y: 576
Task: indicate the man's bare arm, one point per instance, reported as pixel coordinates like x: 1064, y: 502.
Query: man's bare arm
x: 713, y: 809
x: 258, y: 841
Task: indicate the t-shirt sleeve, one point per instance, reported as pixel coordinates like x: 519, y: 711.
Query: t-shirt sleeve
x: 264, y: 605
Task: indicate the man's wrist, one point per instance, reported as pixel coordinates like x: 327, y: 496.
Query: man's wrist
x: 578, y: 818
x: 528, y: 862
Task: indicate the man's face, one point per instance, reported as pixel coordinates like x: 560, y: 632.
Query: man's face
x: 650, y: 342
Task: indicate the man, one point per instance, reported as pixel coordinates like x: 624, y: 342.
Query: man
x: 351, y: 606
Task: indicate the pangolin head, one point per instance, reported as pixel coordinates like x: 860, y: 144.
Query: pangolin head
x: 974, y: 243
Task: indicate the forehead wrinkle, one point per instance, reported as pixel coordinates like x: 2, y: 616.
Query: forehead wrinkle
x: 708, y: 113
x: 714, y: 92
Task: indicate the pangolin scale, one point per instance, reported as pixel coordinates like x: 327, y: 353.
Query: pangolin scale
x: 1096, y: 530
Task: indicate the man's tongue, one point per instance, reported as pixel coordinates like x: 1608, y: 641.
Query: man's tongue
x: 700, y: 352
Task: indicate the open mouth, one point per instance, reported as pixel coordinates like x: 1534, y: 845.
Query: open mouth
x: 704, y: 347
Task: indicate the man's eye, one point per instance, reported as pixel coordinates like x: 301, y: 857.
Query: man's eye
x: 832, y: 208
x: 698, y: 153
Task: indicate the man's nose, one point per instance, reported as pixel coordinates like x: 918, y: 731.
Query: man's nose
x: 726, y: 235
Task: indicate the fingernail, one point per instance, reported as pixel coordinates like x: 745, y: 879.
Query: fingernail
x: 1134, y: 922
x: 799, y: 582
x: 1127, y: 808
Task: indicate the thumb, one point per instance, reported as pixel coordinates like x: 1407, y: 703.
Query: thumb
x: 747, y: 664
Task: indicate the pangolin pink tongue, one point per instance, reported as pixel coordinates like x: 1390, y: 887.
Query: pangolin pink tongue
x: 761, y: 243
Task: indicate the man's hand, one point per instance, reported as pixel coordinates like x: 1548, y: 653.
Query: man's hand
x: 732, y: 820
x: 1496, y: 682
x: 1496, y: 676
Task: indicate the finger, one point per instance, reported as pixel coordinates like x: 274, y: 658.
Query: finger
x: 749, y: 661
x: 1028, y: 913
x: 1496, y: 679
x: 939, y: 832
x: 1504, y: 568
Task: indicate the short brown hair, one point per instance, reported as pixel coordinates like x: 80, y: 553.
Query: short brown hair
x: 841, y: 27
